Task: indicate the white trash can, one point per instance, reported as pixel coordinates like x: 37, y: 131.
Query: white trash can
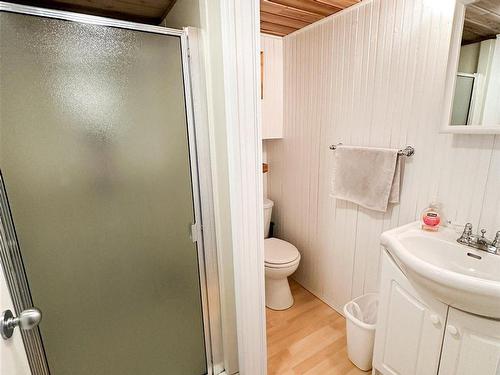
x: 361, y: 319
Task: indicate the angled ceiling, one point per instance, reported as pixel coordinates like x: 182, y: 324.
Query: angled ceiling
x: 144, y: 11
x: 282, y: 17
x: 482, y: 21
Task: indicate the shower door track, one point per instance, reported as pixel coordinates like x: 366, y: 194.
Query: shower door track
x: 10, y: 254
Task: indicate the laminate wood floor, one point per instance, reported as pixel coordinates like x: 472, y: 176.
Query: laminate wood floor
x: 308, y: 338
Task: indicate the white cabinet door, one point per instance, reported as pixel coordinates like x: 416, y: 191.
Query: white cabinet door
x: 471, y: 345
x: 410, y: 326
x: 13, y: 359
x: 272, y: 86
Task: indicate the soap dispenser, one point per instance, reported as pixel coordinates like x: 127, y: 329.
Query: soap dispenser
x: 431, y: 217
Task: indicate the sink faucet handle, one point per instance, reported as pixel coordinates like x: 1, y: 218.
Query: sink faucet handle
x: 468, y: 229
x: 496, y: 241
x: 466, y: 234
x: 483, y: 232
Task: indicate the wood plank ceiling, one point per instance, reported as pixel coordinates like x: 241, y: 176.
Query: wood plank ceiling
x: 282, y: 17
x: 144, y: 11
x: 482, y: 21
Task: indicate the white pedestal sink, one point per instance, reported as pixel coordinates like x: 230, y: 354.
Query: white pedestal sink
x: 457, y: 275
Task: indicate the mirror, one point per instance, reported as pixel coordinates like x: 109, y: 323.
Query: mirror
x: 475, y: 98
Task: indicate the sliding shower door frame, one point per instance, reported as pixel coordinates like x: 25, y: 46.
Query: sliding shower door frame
x: 10, y: 254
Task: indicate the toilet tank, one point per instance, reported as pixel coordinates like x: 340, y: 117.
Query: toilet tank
x: 268, y: 209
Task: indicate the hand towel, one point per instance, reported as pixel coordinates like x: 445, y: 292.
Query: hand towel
x: 369, y: 177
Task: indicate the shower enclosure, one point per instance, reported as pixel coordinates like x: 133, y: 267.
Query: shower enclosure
x: 99, y: 197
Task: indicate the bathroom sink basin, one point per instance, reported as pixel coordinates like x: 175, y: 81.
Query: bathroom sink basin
x: 460, y: 276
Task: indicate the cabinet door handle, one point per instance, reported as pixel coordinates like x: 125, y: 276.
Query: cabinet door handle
x: 453, y: 331
x: 435, y: 319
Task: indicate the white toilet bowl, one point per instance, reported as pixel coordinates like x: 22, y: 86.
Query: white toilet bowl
x: 281, y: 260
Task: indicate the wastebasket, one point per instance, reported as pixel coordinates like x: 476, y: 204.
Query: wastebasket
x: 361, y: 319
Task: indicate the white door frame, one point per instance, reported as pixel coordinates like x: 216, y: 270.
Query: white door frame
x: 202, y: 201
x: 241, y: 50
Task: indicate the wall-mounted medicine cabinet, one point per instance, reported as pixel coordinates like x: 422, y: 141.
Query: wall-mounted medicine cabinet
x: 472, y: 95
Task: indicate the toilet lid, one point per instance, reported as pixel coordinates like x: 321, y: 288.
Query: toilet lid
x: 277, y: 251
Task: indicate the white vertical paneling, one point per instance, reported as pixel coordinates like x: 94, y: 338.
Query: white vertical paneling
x: 371, y: 75
x: 240, y: 51
x: 272, y: 86
x: 490, y: 212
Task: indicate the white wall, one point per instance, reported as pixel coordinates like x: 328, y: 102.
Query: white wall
x: 469, y: 57
x: 184, y: 13
x: 491, y: 114
x: 13, y: 360
x: 372, y: 75
x: 484, y: 66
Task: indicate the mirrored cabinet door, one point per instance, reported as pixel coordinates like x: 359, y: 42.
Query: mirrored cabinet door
x: 474, y: 69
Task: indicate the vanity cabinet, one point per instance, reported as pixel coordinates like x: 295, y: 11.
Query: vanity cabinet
x: 471, y: 345
x: 418, y: 335
x: 410, y: 326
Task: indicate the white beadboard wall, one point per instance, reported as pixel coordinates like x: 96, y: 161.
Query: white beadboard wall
x: 371, y: 75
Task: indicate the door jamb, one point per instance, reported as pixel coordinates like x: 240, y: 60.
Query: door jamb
x: 240, y: 24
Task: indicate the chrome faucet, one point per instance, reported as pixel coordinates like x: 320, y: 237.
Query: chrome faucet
x: 480, y: 242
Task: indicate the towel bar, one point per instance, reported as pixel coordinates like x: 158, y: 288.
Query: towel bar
x: 407, y: 151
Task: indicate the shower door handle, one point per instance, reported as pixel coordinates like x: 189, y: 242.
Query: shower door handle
x: 28, y: 319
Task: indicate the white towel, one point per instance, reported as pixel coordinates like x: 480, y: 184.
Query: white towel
x: 369, y: 177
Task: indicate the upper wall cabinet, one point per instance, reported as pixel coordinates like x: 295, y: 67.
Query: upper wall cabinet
x: 271, y: 61
x: 472, y: 94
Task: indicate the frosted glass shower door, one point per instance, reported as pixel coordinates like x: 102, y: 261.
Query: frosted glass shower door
x: 94, y: 155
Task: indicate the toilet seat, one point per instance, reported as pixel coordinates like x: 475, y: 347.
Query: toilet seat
x: 279, y: 253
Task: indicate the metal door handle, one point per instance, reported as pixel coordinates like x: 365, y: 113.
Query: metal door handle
x: 28, y: 319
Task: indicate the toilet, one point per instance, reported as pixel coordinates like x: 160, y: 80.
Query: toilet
x: 281, y: 259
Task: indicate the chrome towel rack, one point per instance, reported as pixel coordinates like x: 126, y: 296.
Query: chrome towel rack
x: 407, y: 151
